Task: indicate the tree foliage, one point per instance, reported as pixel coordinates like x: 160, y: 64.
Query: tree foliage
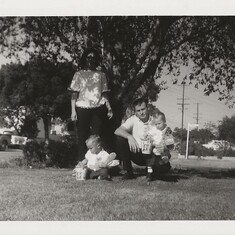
x: 136, y: 50
x: 201, y: 136
x: 47, y: 87
x: 227, y: 129
x: 212, y: 127
x: 37, y: 89
x: 180, y: 134
x: 12, y: 95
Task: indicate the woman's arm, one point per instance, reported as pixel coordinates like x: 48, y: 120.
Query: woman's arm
x: 110, y: 112
x: 73, y: 105
x: 74, y: 88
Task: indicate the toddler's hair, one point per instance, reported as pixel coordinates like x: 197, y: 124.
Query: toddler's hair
x: 160, y: 114
x: 94, y: 139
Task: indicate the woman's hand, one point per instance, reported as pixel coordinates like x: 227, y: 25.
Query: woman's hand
x: 74, y: 116
x: 110, y: 113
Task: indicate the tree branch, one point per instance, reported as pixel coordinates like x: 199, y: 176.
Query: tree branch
x: 149, y: 72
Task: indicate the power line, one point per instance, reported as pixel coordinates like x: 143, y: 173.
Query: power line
x: 197, y: 114
x: 183, y: 106
x: 200, y: 96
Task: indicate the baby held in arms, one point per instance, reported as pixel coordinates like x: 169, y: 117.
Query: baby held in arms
x: 162, y: 138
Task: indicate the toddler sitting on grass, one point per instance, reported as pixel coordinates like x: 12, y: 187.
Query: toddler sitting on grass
x: 97, y: 161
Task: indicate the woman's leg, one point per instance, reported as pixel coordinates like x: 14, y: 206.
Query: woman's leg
x: 84, y: 122
x: 101, y: 126
x: 98, y: 120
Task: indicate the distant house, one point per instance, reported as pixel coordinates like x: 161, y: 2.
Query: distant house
x: 58, y: 129
x: 219, y: 144
x: 3, y: 129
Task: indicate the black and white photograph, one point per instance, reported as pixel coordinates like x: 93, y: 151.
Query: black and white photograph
x: 117, y: 122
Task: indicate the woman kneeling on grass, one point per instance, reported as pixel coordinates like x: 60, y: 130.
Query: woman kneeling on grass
x: 97, y: 161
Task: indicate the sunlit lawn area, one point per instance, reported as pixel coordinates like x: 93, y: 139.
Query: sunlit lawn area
x: 53, y: 194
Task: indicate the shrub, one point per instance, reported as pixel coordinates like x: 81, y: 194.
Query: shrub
x: 34, y: 154
x: 228, y: 152
x: 196, y: 149
x: 191, y: 148
x: 17, y: 162
x: 4, y: 164
x: 219, y: 154
x: 62, y: 154
x: 55, y: 154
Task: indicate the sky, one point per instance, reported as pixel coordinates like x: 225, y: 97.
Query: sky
x: 210, y: 109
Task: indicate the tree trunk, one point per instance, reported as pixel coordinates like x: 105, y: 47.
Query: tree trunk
x: 46, y: 122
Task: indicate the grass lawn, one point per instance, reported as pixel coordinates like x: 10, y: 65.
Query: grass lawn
x: 54, y: 195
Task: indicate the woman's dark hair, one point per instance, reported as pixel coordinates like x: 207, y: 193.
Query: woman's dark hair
x: 83, y: 61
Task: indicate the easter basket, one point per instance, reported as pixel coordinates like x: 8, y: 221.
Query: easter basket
x: 80, y: 173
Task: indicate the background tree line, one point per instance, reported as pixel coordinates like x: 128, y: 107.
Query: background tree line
x: 35, y: 90
x: 225, y: 130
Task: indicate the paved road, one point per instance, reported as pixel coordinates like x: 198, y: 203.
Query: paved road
x: 10, y: 153
x: 201, y: 163
x: 206, y: 162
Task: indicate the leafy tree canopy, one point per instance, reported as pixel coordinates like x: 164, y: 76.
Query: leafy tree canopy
x: 135, y: 50
x: 37, y: 89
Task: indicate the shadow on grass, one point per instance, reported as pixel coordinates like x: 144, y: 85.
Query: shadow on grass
x: 170, y: 177
x: 206, y: 173
x: 177, y: 174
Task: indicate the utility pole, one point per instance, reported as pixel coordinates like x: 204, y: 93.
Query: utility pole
x: 182, y: 109
x: 197, y: 114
